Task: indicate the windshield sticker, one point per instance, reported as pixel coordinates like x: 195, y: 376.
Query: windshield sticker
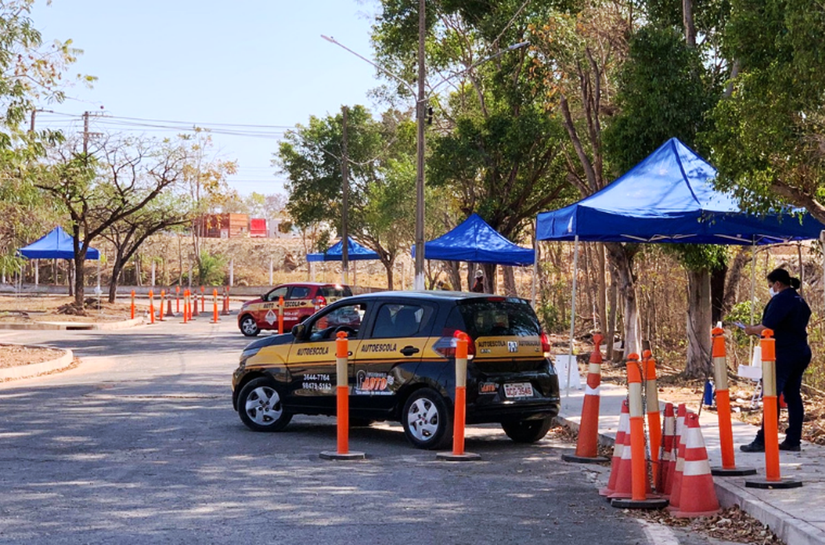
x: 367, y: 383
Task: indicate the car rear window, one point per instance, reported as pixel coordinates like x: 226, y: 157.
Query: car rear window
x: 497, y: 317
x: 332, y: 291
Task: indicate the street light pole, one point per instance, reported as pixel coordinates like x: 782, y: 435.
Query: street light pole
x: 418, y: 283
x: 344, y: 199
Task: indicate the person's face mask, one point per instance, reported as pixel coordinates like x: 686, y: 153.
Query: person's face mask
x: 770, y: 290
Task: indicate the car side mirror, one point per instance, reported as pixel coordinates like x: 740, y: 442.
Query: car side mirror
x: 263, y: 297
x: 299, y: 330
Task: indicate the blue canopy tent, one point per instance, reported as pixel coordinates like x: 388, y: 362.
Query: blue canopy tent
x: 669, y: 197
x: 57, y: 244
x: 355, y: 252
x: 475, y: 241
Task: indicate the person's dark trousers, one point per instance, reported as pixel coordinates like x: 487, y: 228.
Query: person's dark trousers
x: 789, y: 383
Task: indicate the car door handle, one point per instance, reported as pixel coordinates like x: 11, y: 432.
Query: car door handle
x: 410, y: 350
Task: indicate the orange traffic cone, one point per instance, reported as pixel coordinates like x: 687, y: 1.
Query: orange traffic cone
x: 587, y: 445
x: 676, y: 486
x: 623, y: 487
x: 697, y: 496
x: 668, y: 436
x: 169, y: 313
x: 618, y: 446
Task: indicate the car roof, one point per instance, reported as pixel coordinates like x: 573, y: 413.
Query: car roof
x: 310, y: 284
x: 434, y: 295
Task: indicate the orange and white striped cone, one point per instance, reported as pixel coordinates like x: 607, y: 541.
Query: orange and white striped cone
x: 618, y: 447
x: 666, y: 458
x: 676, y: 489
x: 587, y: 444
x: 640, y: 494
x: 698, y: 495
x: 169, y: 313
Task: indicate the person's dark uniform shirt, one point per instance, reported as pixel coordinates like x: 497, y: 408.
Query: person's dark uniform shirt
x: 787, y: 314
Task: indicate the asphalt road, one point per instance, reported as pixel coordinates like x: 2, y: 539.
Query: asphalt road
x: 139, y: 444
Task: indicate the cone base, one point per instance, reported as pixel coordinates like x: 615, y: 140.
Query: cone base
x: 771, y: 485
x: 629, y: 503
x: 450, y: 457
x: 606, y: 492
x: 686, y: 515
x: 328, y: 455
x: 584, y: 459
x: 735, y: 472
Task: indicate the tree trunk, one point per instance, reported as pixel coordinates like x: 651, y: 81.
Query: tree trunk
x: 489, y: 277
x: 454, y: 274
x: 602, y: 287
x: 687, y: 19
x: 611, y: 321
x: 388, y: 265
x: 743, y: 256
x: 79, y: 278
x: 698, y: 324
x: 622, y: 259
x: 117, y: 268
x: 509, y: 282
x: 717, y: 293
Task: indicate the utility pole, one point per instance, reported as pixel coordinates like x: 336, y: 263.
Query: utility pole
x: 419, y: 186
x: 85, y: 133
x: 31, y: 126
x: 345, y: 200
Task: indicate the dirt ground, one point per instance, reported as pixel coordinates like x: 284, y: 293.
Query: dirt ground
x: 46, y: 308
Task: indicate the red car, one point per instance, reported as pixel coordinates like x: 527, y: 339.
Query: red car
x: 301, y: 299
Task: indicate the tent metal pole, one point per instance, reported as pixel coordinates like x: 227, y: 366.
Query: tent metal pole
x: 822, y: 244
x: 570, y: 359
x: 753, y: 294
x: 535, y: 264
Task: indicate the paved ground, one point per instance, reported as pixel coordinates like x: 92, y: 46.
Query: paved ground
x: 139, y: 444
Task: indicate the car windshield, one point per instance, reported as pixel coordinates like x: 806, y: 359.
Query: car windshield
x: 334, y: 291
x: 508, y: 317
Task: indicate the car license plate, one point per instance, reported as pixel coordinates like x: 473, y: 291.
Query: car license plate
x: 518, y: 389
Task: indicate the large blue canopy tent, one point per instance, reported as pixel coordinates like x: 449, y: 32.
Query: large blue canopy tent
x: 669, y: 197
x: 57, y: 244
x: 355, y: 252
x: 475, y: 241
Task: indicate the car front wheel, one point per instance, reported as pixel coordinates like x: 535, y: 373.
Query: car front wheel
x: 527, y: 431
x: 426, y: 420
x: 260, y: 406
x: 249, y: 327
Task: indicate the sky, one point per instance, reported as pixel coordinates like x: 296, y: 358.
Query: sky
x: 255, y: 67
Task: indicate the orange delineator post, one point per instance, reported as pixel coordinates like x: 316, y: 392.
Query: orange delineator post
x: 169, y: 304
x: 342, y: 376
x: 185, y: 312
x: 151, y: 307
x: 177, y: 299
x: 215, y: 318
x: 770, y: 419
x: 723, y: 398
x: 280, y: 314
x: 587, y: 444
x: 654, y: 423
x: 203, y: 299
x: 133, y: 305
x: 637, y: 428
x: 160, y: 308
x: 460, y: 393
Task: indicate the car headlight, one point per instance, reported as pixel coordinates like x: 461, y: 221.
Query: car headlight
x: 246, y: 354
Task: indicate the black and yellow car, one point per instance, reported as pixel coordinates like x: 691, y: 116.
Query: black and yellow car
x: 402, y: 366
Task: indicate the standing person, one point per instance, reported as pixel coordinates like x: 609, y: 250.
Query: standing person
x: 787, y: 314
x: 478, y: 285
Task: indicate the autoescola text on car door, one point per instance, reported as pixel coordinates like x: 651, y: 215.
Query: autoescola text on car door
x: 312, y: 360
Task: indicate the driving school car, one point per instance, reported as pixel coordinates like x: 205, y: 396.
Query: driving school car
x: 402, y: 366
x: 301, y: 299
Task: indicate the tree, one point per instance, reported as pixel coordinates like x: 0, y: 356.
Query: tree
x: 120, y: 178
x: 381, y: 178
x: 768, y: 139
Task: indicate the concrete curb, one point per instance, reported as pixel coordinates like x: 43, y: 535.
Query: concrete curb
x: 73, y: 326
x: 26, y: 371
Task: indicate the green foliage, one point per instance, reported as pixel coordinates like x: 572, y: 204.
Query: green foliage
x: 210, y: 269
x: 741, y: 312
x: 550, y: 318
x: 768, y: 137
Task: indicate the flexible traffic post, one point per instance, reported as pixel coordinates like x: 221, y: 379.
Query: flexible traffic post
x: 215, y: 318
x: 133, y: 305
x: 177, y: 299
x: 162, y: 301
x: 185, y: 312
x: 169, y: 312
x: 225, y: 310
x: 280, y: 314
x: 342, y: 402
x: 193, y: 304
x: 203, y: 299
x: 770, y: 419
x: 639, y: 480
x: 460, y: 412
x: 587, y: 443
x: 654, y: 423
x: 720, y: 374
x: 151, y: 307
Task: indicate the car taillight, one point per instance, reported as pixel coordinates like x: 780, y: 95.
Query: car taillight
x: 545, y: 343
x: 446, y: 345
x: 320, y: 302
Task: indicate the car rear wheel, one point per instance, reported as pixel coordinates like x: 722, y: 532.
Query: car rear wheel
x: 426, y: 420
x: 249, y: 327
x: 527, y: 431
x: 260, y: 406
